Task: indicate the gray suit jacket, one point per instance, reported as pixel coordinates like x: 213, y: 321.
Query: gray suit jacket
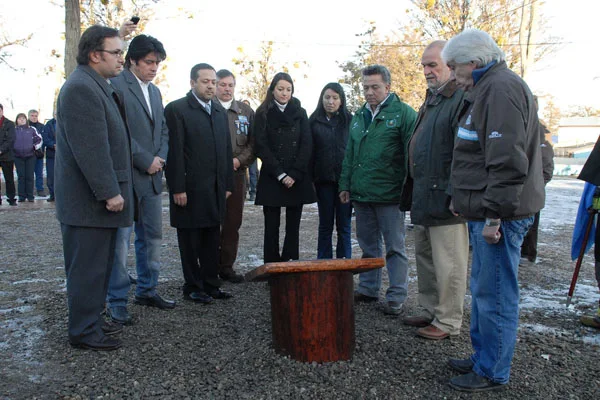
x: 93, y: 153
x: 149, y: 133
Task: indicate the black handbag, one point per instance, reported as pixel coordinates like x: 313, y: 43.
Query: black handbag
x: 39, y: 153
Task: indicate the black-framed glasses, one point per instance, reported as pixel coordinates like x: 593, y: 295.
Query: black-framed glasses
x: 118, y: 52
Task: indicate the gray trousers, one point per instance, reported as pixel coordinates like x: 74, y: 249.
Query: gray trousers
x: 374, y: 221
x: 89, y: 254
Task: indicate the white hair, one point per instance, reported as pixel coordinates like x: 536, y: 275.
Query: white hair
x: 472, y: 45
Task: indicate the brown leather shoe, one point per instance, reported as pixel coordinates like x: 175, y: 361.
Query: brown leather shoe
x: 417, y: 320
x: 432, y: 332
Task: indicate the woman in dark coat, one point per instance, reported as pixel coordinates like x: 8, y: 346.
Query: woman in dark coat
x: 283, y: 143
x: 330, y: 123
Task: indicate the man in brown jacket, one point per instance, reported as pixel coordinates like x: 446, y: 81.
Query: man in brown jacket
x: 241, y: 120
x: 497, y: 185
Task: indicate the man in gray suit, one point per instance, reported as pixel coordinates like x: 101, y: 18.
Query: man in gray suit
x: 93, y: 187
x: 149, y: 142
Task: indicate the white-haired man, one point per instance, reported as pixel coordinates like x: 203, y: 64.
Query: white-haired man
x: 497, y: 185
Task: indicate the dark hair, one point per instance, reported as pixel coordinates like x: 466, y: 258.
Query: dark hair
x: 343, y: 111
x: 93, y: 40
x: 224, y: 73
x: 280, y: 76
x: 141, y: 46
x: 1, y: 107
x: 24, y: 116
x: 378, y: 70
x: 198, y: 67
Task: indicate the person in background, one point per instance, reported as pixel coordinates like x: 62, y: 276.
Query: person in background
x: 329, y: 124
x: 27, y: 140
x: 253, y: 172
x: 34, y: 122
x: 529, y: 246
x: 7, y: 159
x: 373, y: 175
x: 284, y: 145
x: 49, y: 137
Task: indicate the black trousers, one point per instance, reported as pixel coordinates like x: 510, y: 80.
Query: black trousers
x: 291, y: 243
x: 529, y: 246
x: 89, y: 254
x: 9, y: 178
x: 199, y: 250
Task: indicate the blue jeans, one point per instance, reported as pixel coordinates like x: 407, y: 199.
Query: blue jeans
x: 331, y: 208
x: 148, y: 238
x: 253, y: 177
x: 39, y: 174
x: 372, y: 222
x: 495, y: 298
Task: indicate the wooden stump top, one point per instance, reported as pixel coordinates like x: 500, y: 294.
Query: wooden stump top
x: 354, y: 265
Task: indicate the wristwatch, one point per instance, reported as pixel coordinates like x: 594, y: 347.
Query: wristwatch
x: 492, y: 222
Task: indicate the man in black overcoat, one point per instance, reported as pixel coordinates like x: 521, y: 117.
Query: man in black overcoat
x: 200, y: 178
x: 93, y: 182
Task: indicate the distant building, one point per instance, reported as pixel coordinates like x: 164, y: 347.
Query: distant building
x: 573, y: 142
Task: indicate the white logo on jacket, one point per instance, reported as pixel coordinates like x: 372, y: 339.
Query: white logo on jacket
x: 495, y: 135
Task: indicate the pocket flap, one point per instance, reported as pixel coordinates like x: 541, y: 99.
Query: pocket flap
x: 122, y: 175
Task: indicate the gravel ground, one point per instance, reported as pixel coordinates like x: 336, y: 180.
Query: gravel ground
x: 223, y: 351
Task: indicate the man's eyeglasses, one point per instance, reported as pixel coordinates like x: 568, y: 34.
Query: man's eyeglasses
x: 118, y: 53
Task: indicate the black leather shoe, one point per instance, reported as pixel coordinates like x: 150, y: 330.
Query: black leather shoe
x: 363, y: 298
x: 132, y: 280
x: 155, y: 301
x: 104, y: 344
x: 111, y: 328
x: 50, y: 199
x: 220, y: 294
x: 199, y: 297
x: 119, y: 314
x: 472, y: 382
x: 232, y: 277
x: 463, y: 366
x: 12, y: 202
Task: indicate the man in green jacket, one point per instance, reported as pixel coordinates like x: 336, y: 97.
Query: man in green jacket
x: 373, y: 174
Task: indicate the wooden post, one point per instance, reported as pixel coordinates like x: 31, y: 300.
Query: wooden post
x: 312, y: 306
x: 313, y: 315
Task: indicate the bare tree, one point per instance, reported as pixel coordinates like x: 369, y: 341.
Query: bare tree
x: 72, y: 34
x: 257, y: 71
x: 7, y: 41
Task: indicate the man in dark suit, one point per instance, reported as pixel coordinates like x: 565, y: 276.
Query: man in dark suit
x: 150, y: 144
x: 200, y: 179
x: 7, y: 159
x: 93, y: 185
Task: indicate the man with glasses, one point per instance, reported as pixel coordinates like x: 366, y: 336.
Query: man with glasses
x: 93, y: 186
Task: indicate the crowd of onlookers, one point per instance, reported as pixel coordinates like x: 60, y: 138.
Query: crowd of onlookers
x: 24, y: 144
